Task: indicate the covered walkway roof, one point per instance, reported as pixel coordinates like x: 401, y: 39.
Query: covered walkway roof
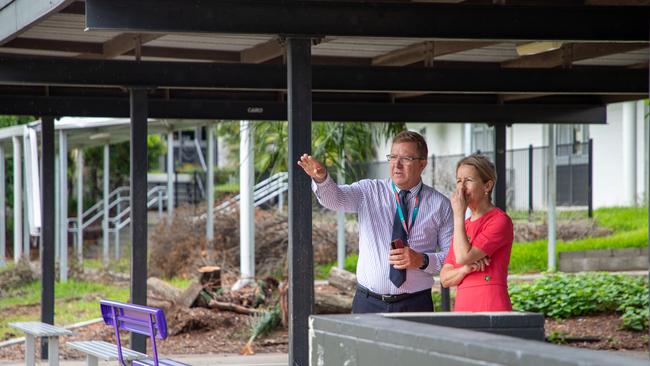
x: 389, y: 61
x: 89, y: 132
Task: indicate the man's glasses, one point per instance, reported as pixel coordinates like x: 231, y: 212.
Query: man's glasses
x: 406, y: 160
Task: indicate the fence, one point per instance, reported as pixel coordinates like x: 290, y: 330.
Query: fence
x: 526, y: 172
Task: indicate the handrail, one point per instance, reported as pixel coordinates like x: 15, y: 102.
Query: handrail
x: 264, y: 191
x: 73, y: 221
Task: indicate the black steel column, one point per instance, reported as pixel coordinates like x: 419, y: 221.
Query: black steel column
x: 47, y: 229
x: 648, y: 195
x: 139, y: 113
x: 530, y: 182
x: 590, y: 180
x: 500, y: 164
x: 301, y: 258
x: 445, y: 299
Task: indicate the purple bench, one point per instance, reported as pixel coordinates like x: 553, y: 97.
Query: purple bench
x: 139, y: 319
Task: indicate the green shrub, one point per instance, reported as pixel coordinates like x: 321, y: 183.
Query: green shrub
x: 566, y: 295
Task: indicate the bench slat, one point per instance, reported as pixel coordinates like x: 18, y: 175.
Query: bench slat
x: 104, y: 350
x: 161, y: 362
x: 39, y: 329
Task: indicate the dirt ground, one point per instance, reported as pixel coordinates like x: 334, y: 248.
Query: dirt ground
x: 226, y: 332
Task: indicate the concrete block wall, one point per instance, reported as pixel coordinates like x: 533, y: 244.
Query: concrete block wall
x: 625, y: 259
x: 377, y: 340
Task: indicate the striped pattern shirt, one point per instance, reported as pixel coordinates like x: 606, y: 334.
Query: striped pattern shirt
x: 374, y: 202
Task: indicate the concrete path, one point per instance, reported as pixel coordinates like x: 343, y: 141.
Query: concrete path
x: 264, y: 359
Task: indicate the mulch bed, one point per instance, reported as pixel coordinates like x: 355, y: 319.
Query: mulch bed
x: 607, y: 328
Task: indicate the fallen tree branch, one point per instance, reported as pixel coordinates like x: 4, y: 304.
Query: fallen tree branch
x: 227, y: 306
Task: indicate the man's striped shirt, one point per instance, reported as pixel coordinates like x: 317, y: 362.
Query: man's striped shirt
x: 374, y: 202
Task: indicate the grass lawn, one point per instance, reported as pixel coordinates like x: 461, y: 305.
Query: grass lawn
x: 76, y: 301
x: 629, y: 225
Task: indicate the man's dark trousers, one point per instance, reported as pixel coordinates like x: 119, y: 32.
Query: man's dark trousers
x: 367, y: 304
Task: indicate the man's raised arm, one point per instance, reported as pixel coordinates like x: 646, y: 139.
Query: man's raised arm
x: 329, y: 194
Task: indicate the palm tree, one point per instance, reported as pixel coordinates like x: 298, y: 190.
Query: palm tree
x: 337, y: 144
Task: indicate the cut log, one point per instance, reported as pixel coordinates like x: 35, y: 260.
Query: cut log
x: 330, y: 302
x: 210, y: 277
x: 190, y: 295
x: 162, y: 289
x: 343, y: 280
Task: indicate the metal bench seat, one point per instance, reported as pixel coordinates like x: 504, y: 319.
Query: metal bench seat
x: 161, y: 362
x: 100, y: 350
x: 35, y: 330
x: 139, y: 319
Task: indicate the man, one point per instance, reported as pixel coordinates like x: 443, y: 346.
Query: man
x: 402, y: 207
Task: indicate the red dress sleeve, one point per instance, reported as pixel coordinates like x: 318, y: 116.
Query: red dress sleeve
x: 498, y: 231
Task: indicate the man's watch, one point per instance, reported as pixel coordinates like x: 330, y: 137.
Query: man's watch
x: 425, y: 258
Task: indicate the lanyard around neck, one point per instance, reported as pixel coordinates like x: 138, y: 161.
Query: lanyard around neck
x: 401, y: 214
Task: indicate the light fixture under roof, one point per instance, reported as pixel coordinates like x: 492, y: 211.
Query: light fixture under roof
x: 100, y: 136
x: 534, y: 48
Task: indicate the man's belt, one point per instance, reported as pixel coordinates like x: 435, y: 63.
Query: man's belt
x: 389, y: 298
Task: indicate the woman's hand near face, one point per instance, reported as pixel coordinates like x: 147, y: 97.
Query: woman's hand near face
x: 458, y: 201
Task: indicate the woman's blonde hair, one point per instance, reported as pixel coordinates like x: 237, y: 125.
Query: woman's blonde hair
x: 483, y: 166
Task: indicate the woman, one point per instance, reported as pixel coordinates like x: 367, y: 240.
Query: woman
x: 480, y: 250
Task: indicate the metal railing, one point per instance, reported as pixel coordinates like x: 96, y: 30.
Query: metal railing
x: 264, y: 191
x: 119, y: 202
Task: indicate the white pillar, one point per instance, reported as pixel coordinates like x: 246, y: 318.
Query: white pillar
x: 629, y: 153
x: 80, y: 204
x: 18, y: 200
x: 209, y: 187
x: 106, y: 176
x: 246, y: 211
x: 552, y: 195
x: 26, y: 196
x: 467, y: 138
x: 63, y: 206
x: 170, y: 176
x: 3, y: 208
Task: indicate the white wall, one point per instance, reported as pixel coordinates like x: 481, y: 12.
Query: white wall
x: 608, y: 158
x: 526, y: 134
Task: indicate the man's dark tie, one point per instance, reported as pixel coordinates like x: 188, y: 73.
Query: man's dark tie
x: 398, y: 276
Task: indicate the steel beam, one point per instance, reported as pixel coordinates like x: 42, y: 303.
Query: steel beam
x: 322, y: 111
x: 74, y: 72
x: 338, y: 18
